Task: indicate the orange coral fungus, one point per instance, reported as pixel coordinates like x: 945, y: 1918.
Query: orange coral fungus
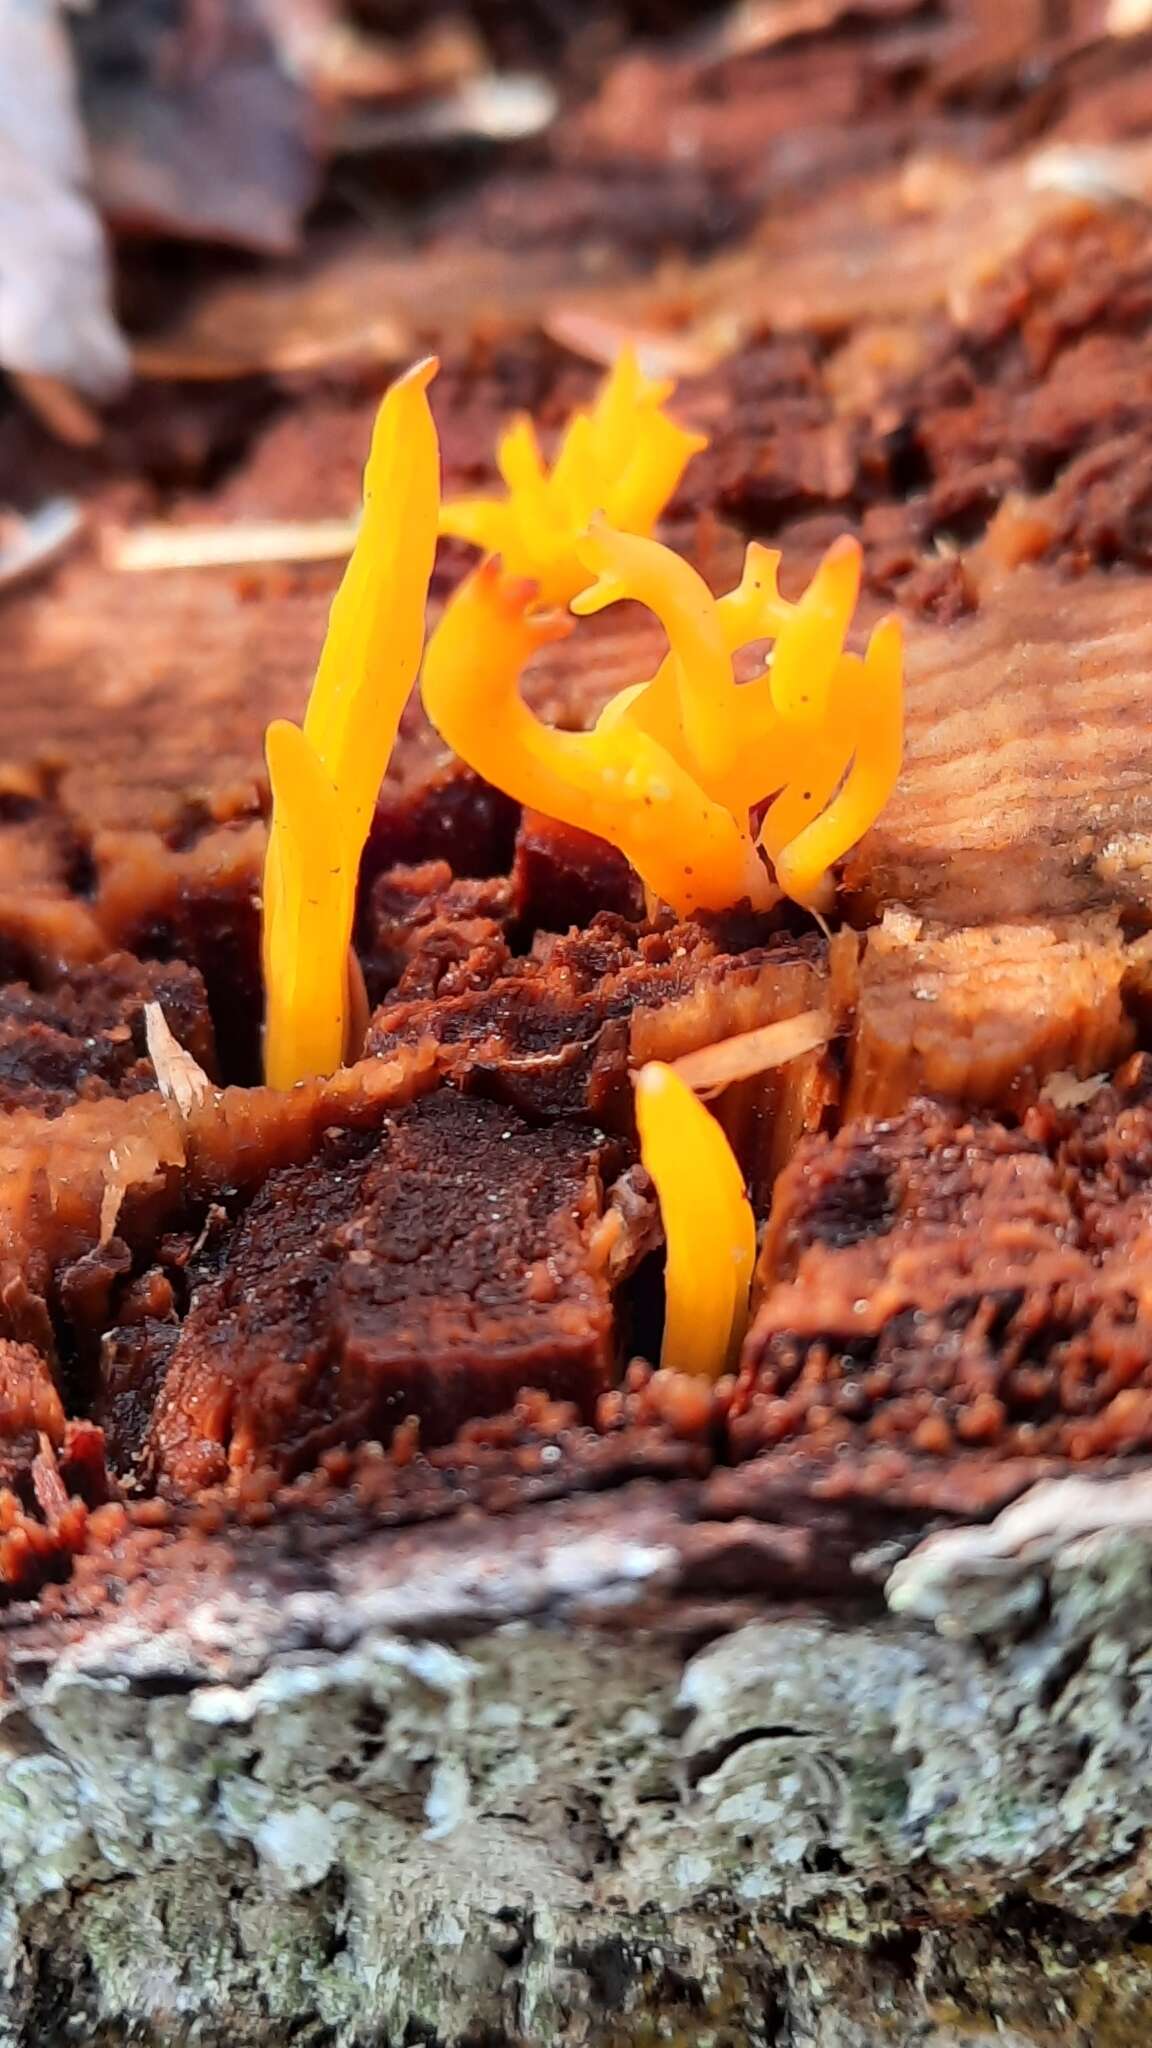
x: 625, y: 458
x: 325, y: 778
x: 708, y: 1224
x: 617, y: 781
x: 677, y: 768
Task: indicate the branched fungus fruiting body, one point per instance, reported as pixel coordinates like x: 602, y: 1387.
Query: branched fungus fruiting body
x: 616, y: 781
x: 709, y: 1228
x: 325, y: 777
x: 693, y: 775
x: 625, y: 458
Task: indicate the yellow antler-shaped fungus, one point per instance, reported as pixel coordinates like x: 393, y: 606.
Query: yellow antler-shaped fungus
x: 677, y: 769
x: 625, y: 458
x: 818, y: 730
x: 326, y: 777
x: 742, y: 741
x: 708, y: 1224
x: 617, y: 781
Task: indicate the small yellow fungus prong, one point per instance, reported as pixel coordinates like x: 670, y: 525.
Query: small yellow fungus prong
x: 817, y: 766
x: 624, y: 392
x: 326, y: 777
x: 708, y: 1225
x: 624, y: 456
x: 630, y: 566
x: 811, y: 639
x: 576, y: 482
x: 617, y: 401
x: 793, y: 716
x: 623, y: 706
x: 651, y: 474
x: 755, y: 610
x: 608, y: 589
x: 483, y: 523
x: 518, y: 457
x: 615, y: 781
x: 803, y: 864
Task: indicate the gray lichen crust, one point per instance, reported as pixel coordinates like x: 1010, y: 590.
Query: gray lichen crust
x: 502, y: 1798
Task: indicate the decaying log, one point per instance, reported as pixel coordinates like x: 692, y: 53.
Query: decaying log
x: 556, y: 1791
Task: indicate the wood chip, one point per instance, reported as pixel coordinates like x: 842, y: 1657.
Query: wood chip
x: 499, y: 107
x: 662, y: 352
x: 1104, y: 176
x: 180, y: 1078
x: 144, y: 549
x: 1066, y: 1090
x: 115, y: 1188
x: 716, y: 1067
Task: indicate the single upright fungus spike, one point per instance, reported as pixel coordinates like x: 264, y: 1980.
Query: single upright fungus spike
x: 326, y: 777
x: 708, y: 1224
x: 624, y: 458
x: 678, y: 769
